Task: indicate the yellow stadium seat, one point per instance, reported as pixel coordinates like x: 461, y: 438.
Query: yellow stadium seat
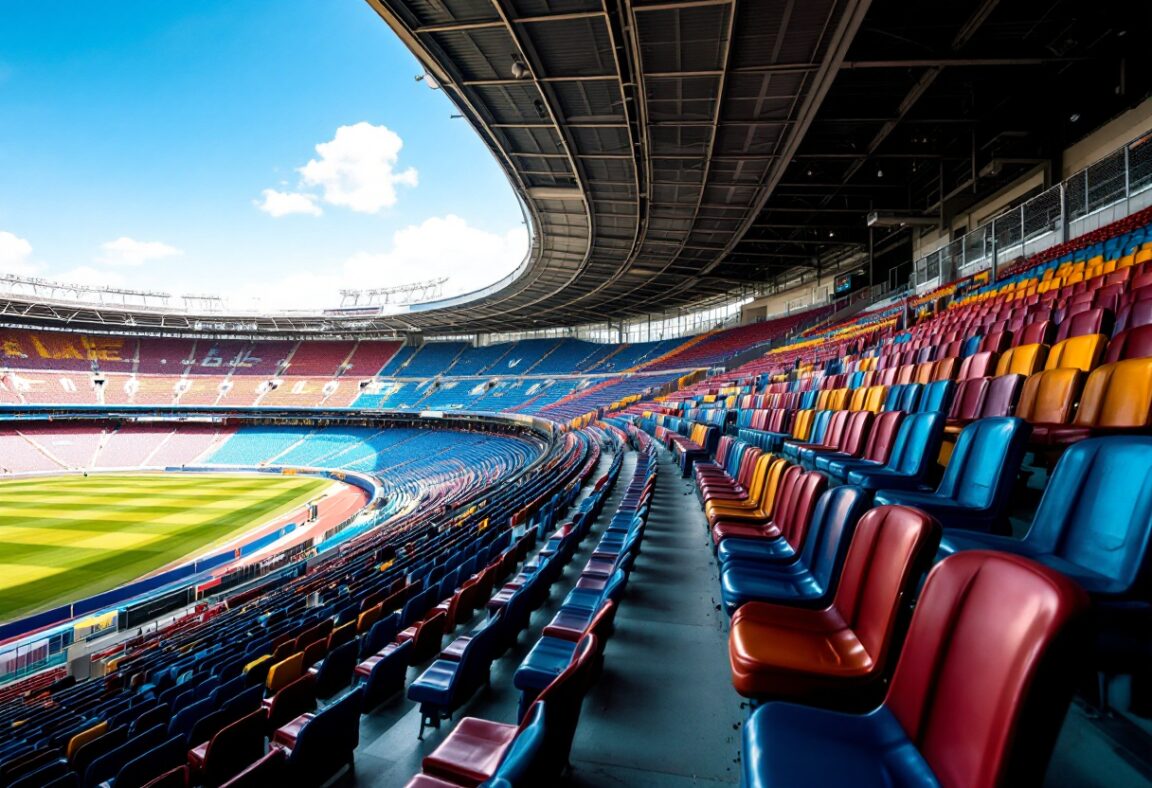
x: 1022, y: 360
x: 1082, y: 352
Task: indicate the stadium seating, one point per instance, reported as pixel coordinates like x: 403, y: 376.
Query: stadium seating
x: 978, y: 480
x: 843, y: 651
x: 953, y: 714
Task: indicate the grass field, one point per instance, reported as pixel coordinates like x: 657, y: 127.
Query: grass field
x: 69, y: 537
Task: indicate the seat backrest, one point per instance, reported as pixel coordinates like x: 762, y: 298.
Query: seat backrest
x: 564, y: 696
x: 874, y: 398
x: 782, y: 476
x: 1132, y: 343
x: 1022, y: 360
x: 1047, y: 397
x: 522, y: 763
x: 971, y: 345
x: 891, y: 549
x: 802, y: 423
x: 937, y: 396
x: 749, y: 465
x: 833, y: 521
x: 945, y: 368
x: 284, y: 672
x: 910, y: 397
x: 892, y: 398
x: 819, y: 426
x: 297, y: 698
x: 978, y: 365
x: 1136, y: 314
x: 923, y: 435
x: 1002, y: 395
x: 984, y: 464
x: 162, y: 758
x: 973, y: 667
x: 996, y: 342
x: 856, y: 432
x: 797, y: 518
x: 837, y: 424
x: 1082, y: 352
x: 1096, y: 511
x: 883, y: 435
x: 334, y: 729
x: 1037, y: 332
x: 969, y: 399
x: 1118, y: 396
x: 1090, y: 321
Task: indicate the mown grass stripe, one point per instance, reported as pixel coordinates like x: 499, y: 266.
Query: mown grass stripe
x: 66, y: 523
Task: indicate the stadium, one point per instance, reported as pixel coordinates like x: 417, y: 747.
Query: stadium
x: 809, y: 444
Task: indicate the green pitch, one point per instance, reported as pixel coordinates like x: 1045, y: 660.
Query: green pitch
x: 69, y: 537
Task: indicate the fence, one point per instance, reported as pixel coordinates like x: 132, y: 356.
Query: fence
x: 1107, y: 190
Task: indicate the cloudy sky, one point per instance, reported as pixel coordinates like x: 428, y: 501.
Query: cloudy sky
x: 263, y: 150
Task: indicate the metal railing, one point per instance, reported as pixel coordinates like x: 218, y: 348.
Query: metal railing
x: 1110, y: 189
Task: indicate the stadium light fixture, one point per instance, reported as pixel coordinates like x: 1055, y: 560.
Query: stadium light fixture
x: 519, y: 67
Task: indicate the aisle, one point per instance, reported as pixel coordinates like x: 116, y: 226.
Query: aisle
x: 390, y: 754
x: 664, y: 713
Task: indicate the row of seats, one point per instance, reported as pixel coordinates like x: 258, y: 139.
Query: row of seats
x: 558, y: 670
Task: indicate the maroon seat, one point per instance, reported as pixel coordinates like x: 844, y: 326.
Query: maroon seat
x: 1134, y: 315
x: 269, y: 770
x: 978, y: 365
x: 790, y: 515
x: 996, y: 342
x: 472, y: 752
x: 1132, y: 343
x: 966, y: 404
x: 840, y: 654
x: 230, y: 751
x: 837, y: 424
x: 1108, y: 297
x: 1036, y: 332
x: 755, y: 526
x: 1003, y: 392
x: 978, y: 696
x: 1091, y: 321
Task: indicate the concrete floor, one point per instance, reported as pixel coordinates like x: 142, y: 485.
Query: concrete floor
x: 664, y: 713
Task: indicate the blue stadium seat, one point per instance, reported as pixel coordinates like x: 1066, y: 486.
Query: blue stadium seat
x: 979, y: 479
x: 913, y: 454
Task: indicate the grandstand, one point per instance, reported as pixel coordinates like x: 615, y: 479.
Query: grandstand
x: 810, y: 445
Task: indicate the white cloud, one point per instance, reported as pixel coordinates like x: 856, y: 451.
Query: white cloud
x: 277, y: 203
x: 356, y: 169
x: 15, y: 255
x: 130, y: 252
x: 440, y: 246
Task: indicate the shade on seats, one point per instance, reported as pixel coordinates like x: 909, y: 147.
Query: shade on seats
x: 843, y: 651
x: 978, y: 481
x: 937, y: 397
x: 1132, y: 343
x: 1091, y: 321
x: 977, y: 698
x: 978, y: 365
x: 917, y: 445
x: 764, y: 570
x: 1134, y: 315
x: 1094, y: 521
x: 1036, y: 332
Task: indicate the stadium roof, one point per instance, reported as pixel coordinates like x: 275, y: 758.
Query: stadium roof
x: 670, y: 151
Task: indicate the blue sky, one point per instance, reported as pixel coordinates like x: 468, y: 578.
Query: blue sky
x: 173, y: 146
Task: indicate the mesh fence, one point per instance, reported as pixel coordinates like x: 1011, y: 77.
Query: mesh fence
x: 1043, y: 220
